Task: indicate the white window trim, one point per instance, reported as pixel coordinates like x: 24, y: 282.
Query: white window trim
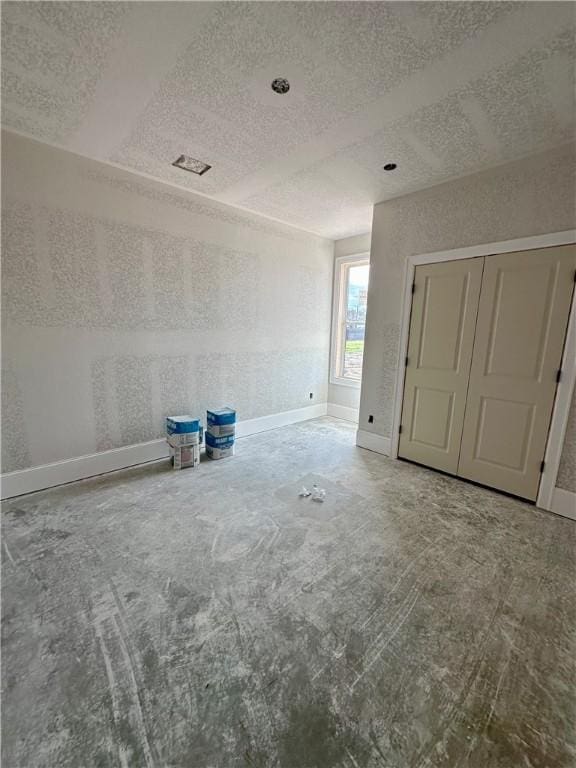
x: 337, y: 298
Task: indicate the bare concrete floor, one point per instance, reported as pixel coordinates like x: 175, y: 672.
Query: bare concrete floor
x: 212, y: 618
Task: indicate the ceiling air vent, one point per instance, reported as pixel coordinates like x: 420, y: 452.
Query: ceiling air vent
x: 192, y: 165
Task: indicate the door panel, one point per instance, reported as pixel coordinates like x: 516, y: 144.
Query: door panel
x: 442, y: 323
x: 504, y: 448
x: 522, y: 298
x: 432, y: 416
x: 522, y: 319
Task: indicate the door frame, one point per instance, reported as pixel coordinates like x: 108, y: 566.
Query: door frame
x: 565, y: 388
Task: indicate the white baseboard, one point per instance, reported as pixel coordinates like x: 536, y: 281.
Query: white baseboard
x: 343, y: 412
x: 264, y: 423
x: 80, y: 467
x: 373, y: 442
x: 563, y: 503
x: 49, y: 475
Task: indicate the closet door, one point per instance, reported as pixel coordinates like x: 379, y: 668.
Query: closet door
x: 444, y: 309
x: 522, y: 321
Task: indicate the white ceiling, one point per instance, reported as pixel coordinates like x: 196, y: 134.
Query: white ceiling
x: 441, y: 88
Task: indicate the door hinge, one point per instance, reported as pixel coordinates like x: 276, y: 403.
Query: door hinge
x: 413, y: 287
x: 400, y: 429
x: 558, y: 375
x: 406, y: 362
x: 542, y: 465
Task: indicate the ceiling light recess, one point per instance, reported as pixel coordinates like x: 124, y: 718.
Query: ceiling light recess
x: 390, y: 167
x: 192, y: 165
x: 280, y: 85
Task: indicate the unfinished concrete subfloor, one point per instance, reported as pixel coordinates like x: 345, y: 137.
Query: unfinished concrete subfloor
x: 212, y: 618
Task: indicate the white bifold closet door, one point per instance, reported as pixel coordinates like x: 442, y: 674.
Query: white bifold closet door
x: 486, y: 342
x: 442, y: 323
x: 522, y: 322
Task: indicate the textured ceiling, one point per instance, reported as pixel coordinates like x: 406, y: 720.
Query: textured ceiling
x: 441, y: 88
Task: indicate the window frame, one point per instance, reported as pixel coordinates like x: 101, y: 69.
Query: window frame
x: 341, y: 266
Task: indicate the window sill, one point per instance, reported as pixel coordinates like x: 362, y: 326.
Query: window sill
x: 341, y: 382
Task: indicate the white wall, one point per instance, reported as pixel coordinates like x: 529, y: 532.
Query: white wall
x: 528, y: 197
x: 342, y: 395
x: 350, y: 246
x: 125, y: 300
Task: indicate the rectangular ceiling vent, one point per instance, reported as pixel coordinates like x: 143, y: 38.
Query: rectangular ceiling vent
x: 192, y: 165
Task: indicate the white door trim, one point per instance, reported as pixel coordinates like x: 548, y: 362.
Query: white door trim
x: 560, y: 413
x: 566, y: 385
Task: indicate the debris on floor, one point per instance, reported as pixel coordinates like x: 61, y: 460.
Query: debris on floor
x: 318, y: 494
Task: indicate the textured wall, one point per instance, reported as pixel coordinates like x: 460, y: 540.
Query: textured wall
x: 340, y: 394
x: 528, y: 197
x: 125, y: 300
x: 350, y: 246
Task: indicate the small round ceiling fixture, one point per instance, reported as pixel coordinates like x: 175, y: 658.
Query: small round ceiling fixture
x: 280, y: 85
x: 390, y: 167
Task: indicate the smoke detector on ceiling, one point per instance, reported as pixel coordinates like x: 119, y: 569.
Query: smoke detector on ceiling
x: 280, y: 85
x: 192, y: 165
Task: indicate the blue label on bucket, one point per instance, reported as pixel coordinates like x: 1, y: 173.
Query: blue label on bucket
x: 221, y: 416
x: 219, y: 442
x: 176, y: 425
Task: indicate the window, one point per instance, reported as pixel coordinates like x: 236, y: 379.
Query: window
x: 349, y: 318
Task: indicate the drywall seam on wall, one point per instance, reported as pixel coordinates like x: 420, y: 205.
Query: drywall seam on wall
x: 125, y: 301
x: 82, y: 467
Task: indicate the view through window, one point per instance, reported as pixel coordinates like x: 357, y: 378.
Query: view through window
x: 353, y: 277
